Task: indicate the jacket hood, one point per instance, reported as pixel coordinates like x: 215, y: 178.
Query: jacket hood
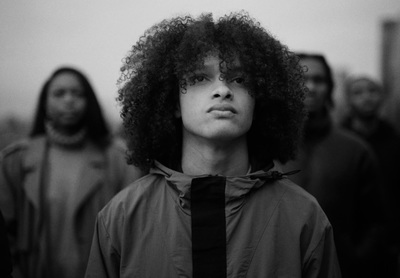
x: 236, y: 188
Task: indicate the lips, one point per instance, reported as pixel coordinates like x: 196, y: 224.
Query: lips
x: 69, y: 113
x: 222, y: 107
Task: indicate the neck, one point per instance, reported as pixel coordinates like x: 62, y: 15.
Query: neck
x: 65, y: 139
x: 227, y: 159
x: 68, y: 130
x: 317, y: 125
x: 364, y: 126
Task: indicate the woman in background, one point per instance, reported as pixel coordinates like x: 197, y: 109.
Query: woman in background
x: 53, y: 184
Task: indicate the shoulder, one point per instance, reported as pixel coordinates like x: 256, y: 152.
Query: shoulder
x: 139, y: 193
x: 385, y: 127
x: 346, y: 143
x: 297, y: 197
x: 20, y: 156
x: 303, y: 211
x: 348, y: 137
x: 15, y: 149
x: 115, y: 151
x: 291, y: 200
x: 300, y: 212
x: 128, y: 210
x: 117, y: 145
x: 296, y: 209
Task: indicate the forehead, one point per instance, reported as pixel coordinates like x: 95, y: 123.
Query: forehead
x: 212, y: 61
x: 314, y: 67
x: 363, y: 84
x: 65, y: 79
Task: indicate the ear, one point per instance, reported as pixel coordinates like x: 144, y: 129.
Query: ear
x: 178, y: 111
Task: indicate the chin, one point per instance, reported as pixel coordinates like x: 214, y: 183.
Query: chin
x: 228, y: 135
x: 73, y: 125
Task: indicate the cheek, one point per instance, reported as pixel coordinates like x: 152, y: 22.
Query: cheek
x: 249, y: 108
x: 356, y: 100
x: 249, y: 119
x: 188, y: 116
x: 51, y: 107
x: 81, y: 105
x: 187, y: 106
x: 376, y: 98
x: 322, y: 97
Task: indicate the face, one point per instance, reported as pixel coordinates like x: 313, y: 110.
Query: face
x: 66, y: 101
x: 316, y: 82
x: 365, y: 98
x: 215, y: 110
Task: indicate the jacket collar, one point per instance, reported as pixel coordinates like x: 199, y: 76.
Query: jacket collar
x: 34, y: 168
x: 235, y: 190
x: 33, y: 164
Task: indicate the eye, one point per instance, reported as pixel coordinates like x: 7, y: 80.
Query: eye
x: 58, y: 93
x: 78, y: 93
x: 198, y: 78
x: 319, y: 80
x: 238, y: 80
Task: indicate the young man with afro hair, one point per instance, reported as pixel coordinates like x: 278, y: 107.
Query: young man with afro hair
x: 207, y: 107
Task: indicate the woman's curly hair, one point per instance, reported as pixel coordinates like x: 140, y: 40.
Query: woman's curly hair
x: 151, y: 81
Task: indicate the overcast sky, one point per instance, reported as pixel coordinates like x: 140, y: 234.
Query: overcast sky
x: 37, y: 36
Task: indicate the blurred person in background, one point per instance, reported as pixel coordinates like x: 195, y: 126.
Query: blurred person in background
x: 53, y: 184
x: 340, y: 170
x: 5, y: 255
x: 365, y: 98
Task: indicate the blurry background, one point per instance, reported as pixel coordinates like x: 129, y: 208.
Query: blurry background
x: 357, y: 37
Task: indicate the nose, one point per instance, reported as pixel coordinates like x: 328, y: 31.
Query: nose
x: 69, y: 98
x: 222, y: 90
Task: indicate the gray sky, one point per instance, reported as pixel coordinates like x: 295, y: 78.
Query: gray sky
x: 37, y: 36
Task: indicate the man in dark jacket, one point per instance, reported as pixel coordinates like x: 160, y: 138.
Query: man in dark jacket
x: 339, y: 170
x: 365, y: 98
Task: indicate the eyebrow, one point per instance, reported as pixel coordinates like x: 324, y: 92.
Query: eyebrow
x: 234, y: 69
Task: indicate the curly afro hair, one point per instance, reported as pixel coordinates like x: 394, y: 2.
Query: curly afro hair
x: 152, y: 78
